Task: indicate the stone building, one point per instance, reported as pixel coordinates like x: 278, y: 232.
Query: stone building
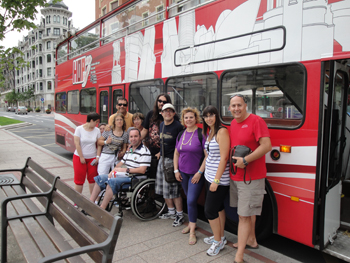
x: 38, y: 48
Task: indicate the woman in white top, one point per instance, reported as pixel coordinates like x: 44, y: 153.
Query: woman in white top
x: 87, y: 152
x: 217, y: 177
x: 114, y: 144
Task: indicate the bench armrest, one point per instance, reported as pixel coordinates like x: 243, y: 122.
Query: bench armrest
x: 105, y: 246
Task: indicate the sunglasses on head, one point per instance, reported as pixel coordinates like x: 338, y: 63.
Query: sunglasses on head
x: 162, y: 101
x: 122, y: 104
x: 239, y: 95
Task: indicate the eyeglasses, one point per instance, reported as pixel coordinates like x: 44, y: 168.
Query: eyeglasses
x: 122, y: 104
x: 209, y: 116
x: 162, y: 101
x: 239, y: 95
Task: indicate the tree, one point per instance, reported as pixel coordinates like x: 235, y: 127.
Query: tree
x: 12, y: 97
x: 26, y: 95
x: 16, y: 15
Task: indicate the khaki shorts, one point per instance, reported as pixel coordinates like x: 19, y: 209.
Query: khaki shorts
x: 247, y: 198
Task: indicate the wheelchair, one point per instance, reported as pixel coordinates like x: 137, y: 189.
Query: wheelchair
x: 140, y: 196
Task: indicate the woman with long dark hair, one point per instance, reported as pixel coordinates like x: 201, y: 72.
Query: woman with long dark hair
x: 217, y: 177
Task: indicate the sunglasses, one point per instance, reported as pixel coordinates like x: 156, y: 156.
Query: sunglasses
x: 121, y: 104
x: 239, y: 95
x: 162, y: 101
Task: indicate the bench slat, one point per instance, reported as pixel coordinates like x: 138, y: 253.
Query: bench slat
x: 92, y: 229
x: 74, y: 231
x: 35, y: 232
x: 29, y: 250
x: 55, y: 236
x: 32, y: 188
x: 103, y: 217
x: 40, y: 170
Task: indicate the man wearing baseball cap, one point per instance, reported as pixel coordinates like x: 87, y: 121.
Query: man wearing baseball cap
x: 170, y: 191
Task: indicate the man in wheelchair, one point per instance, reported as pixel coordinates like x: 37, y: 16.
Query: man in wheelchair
x: 135, y: 161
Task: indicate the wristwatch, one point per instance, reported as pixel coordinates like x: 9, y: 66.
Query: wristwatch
x: 217, y: 181
x: 245, y: 162
x: 127, y: 170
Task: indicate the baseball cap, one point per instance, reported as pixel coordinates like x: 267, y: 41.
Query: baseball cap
x: 168, y: 106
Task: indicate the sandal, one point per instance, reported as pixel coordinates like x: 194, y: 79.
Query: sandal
x: 186, y: 230
x: 193, y: 239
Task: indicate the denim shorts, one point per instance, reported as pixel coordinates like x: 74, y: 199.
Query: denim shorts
x: 114, y: 183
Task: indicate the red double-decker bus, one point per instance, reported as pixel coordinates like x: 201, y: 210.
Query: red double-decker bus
x: 290, y: 58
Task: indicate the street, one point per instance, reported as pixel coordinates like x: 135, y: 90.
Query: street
x: 42, y: 133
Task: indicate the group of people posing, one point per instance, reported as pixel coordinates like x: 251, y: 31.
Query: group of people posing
x: 199, y: 156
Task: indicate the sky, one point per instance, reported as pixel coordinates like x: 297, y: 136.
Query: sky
x: 83, y: 13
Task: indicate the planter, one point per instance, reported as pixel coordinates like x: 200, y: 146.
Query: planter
x: 48, y: 112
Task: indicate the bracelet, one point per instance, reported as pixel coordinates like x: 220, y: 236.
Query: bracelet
x: 199, y: 171
x: 105, y: 143
x: 176, y: 171
x: 245, y: 162
x: 97, y: 156
x: 217, y: 181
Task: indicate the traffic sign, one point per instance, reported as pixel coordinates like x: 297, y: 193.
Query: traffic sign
x: 42, y: 99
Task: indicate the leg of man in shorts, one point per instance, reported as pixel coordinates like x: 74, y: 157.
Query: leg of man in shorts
x: 248, y: 199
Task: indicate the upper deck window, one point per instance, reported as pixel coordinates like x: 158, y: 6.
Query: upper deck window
x: 277, y: 94
x: 132, y: 18
x: 179, y: 6
x: 84, y: 41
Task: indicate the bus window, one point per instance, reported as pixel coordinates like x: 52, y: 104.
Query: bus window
x: 142, y: 95
x: 277, y: 94
x: 116, y: 94
x: 85, y: 41
x: 196, y: 91
x: 73, y: 101
x: 62, y: 53
x: 87, y: 101
x: 60, y: 102
x: 179, y: 6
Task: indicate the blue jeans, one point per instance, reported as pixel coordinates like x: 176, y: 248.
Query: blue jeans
x: 114, y: 183
x: 192, y: 192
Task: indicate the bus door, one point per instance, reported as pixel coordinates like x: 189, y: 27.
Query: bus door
x: 333, y: 142
x: 105, y: 103
x: 118, y: 91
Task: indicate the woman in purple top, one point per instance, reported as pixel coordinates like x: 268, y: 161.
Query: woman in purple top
x: 189, y: 165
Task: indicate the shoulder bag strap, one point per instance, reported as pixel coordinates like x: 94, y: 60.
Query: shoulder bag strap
x: 162, y: 134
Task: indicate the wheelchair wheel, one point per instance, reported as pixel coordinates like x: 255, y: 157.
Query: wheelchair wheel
x: 145, y: 203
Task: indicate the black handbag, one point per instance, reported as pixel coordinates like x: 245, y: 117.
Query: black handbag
x: 168, y: 169
x: 239, y: 151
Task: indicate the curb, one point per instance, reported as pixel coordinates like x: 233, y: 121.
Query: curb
x: 15, y: 126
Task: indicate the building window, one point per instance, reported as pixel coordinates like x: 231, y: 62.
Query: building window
x: 49, y: 85
x: 48, y: 45
x: 161, y: 15
x: 41, y: 86
x: 58, y: 19
x: 40, y: 47
x: 114, y: 5
x: 40, y: 73
x: 48, y: 58
x: 54, y: 19
x: 144, y: 22
x: 48, y: 31
x: 56, y: 31
x: 104, y: 11
x: 49, y: 72
x: 40, y: 60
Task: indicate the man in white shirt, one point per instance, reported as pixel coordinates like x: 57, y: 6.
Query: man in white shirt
x: 136, y: 160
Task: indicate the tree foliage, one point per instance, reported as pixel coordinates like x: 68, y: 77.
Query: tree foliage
x: 16, y: 15
x: 11, y: 97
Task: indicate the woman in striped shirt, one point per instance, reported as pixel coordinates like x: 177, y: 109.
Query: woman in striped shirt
x: 217, y: 177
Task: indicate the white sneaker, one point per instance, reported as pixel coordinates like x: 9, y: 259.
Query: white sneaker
x: 215, y: 248
x: 210, y: 240
x: 167, y: 216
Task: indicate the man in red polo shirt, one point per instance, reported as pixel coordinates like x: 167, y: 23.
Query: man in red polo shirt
x: 249, y: 130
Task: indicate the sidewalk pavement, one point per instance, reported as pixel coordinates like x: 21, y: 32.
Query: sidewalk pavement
x: 139, y: 241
